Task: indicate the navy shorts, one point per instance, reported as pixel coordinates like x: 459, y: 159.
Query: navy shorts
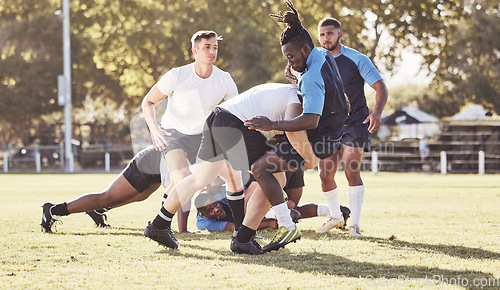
x: 188, y: 143
x: 322, y: 149
x: 143, y: 171
x: 226, y: 137
x: 357, y: 135
x: 295, y: 178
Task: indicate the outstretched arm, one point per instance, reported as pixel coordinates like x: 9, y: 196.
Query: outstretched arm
x: 302, y: 122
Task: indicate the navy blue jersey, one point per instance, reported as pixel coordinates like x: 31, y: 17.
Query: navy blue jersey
x: 356, y: 69
x: 323, y: 94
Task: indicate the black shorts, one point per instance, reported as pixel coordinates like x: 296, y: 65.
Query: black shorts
x: 295, y: 178
x: 226, y: 137
x: 143, y: 171
x: 188, y: 143
x: 357, y: 135
x: 322, y: 149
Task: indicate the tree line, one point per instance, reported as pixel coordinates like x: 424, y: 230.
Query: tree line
x: 119, y: 49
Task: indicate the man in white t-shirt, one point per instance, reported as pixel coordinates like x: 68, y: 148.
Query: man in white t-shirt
x: 192, y: 91
x: 226, y: 139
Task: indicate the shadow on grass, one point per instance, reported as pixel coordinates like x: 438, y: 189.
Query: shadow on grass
x: 113, y: 231
x: 327, y: 264
x: 450, y: 250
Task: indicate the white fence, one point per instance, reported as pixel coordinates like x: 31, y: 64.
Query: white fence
x: 33, y: 155
x: 39, y: 155
x: 443, y: 162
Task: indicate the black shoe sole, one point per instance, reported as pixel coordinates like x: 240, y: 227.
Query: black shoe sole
x: 44, y: 229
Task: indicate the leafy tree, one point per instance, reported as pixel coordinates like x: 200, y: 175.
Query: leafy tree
x: 468, y: 67
x: 121, y: 48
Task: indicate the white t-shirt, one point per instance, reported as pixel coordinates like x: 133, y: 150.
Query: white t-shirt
x: 191, y: 98
x: 270, y: 100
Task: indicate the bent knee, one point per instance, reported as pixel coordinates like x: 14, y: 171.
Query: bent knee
x: 259, y: 168
x: 180, y: 174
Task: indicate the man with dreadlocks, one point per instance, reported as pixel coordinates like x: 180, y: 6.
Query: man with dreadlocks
x: 325, y: 110
x: 355, y: 69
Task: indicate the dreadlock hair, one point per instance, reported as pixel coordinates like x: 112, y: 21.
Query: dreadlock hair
x: 294, y: 32
x: 327, y: 21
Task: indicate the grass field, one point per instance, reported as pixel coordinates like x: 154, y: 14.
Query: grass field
x: 419, y: 230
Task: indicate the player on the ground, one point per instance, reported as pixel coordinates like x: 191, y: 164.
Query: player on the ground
x: 192, y: 91
x: 293, y: 189
x: 355, y: 69
x: 325, y: 109
x: 226, y: 140
x: 142, y: 176
x: 215, y: 215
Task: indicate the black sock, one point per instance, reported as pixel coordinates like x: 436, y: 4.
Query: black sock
x: 163, y: 220
x: 60, y: 210
x: 236, y: 201
x: 164, y: 198
x: 245, y: 234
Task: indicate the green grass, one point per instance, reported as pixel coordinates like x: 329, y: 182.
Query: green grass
x: 441, y: 225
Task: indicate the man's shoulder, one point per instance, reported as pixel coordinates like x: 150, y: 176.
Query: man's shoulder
x: 181, y: 72
x: 183, y: 68
x: 223, y: 78
x: 221, y: 73
x: 311, y: 78
x: 353, y: 54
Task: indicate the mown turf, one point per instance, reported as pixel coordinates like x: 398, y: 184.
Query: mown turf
x: 419, y: 230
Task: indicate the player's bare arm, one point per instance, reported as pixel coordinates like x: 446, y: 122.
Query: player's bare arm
x: 381, y: 95
x: 299, y: 139
x: 303, y: 122
x: 153, y: 97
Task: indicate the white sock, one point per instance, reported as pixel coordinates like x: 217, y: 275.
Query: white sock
x: 323, y: 210
x: 283, y: 216
x: 332, y: 198
x: 270, y: 214
x: 355, y: 195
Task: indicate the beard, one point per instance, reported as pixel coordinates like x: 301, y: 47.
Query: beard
x: 334, y: 46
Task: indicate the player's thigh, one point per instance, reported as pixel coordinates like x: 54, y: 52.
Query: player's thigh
x: 146, y: 193
x: 177, y: 163
x: 120, y: 190
x: 271, y: 163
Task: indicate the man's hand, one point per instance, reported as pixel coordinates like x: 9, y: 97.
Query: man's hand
x: 375, y: 121
x: 260, y: 122
x: 158, y: 138
x: 290, y: 76
x: 311, y: 162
